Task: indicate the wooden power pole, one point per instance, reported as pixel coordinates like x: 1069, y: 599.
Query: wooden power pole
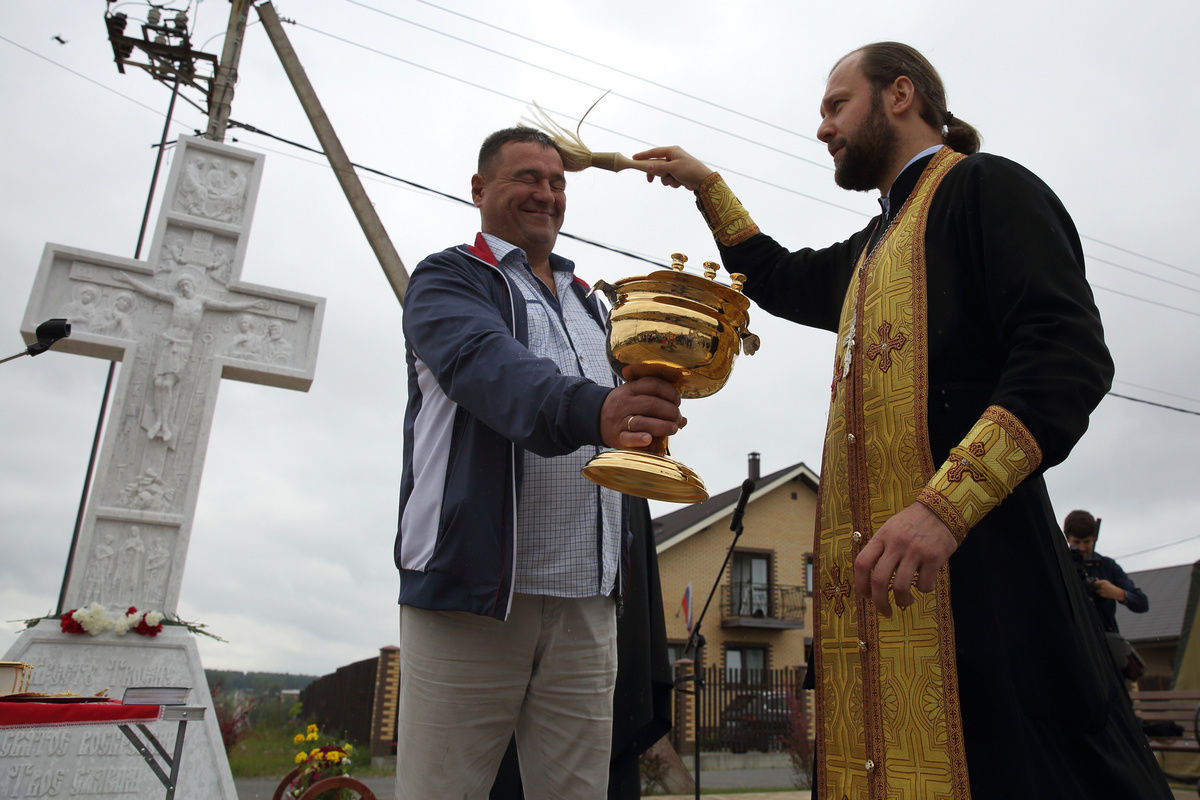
x: 231, y: 54
x: 360, y: 203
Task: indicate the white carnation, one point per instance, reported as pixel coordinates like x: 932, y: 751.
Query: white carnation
x: 94, y: 619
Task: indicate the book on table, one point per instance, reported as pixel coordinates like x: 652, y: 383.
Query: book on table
x: 156, y: 695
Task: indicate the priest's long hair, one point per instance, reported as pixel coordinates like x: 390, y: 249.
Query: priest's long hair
x: 884, y: 62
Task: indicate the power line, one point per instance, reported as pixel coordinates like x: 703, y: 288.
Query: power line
x: 1145, y: 300
x: 724, y: 170
x: 1139, y: 255
x: 1152, y: 403
x: 617, y: 70
x: 1159, y: 391
x: 568, y: 235
x: 1160, y: 546
x: 157, y: 111
x: 498, y: 93
x: 709, y: 102
x: 786, y: 153
x: 1143, y: 274
x: 252, y: 129
x: 491, y: 90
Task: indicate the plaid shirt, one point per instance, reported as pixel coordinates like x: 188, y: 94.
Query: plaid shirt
x: 568, y: 528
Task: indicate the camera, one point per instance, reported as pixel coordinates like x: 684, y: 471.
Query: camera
x: 1088, y: 568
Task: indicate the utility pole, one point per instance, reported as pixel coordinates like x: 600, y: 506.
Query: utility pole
x: 169, y: 55
x: 343, y: 169
x: 231, y: 53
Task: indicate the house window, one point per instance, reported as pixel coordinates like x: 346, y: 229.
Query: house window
x: 751, y: 585
x: 808, y: 573
x: 745, y: 665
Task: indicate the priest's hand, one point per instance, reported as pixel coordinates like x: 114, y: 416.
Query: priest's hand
x: 646, y: 405
x: 914, y: 542
x: 674, y: 166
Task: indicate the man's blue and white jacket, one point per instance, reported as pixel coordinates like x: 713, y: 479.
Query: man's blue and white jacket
x: 477, y: 398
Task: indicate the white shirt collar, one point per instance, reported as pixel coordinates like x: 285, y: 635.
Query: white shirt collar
x: 885, y: 200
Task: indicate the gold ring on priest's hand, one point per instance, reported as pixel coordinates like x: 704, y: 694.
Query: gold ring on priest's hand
x: 629, y: 423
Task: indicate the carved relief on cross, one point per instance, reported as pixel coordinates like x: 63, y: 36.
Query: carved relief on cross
x: 179, y: 323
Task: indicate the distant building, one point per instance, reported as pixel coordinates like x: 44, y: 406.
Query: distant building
x: 761, y: 614
x: 759, y: 623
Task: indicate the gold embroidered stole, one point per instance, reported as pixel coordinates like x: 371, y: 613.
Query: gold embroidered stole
x: 888, y: 719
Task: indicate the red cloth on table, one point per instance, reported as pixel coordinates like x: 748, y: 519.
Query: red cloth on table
x: 35, y: 715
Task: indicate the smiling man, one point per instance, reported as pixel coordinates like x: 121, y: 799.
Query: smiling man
x: 511, y: 563
x: 969, y: 356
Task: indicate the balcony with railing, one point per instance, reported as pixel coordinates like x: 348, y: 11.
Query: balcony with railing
x: 748, y: 604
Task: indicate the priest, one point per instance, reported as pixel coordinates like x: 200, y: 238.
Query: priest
x: 955, y: 653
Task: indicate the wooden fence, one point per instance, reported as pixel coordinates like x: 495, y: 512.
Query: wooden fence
x: 341, y: 701
x: 359, y: 700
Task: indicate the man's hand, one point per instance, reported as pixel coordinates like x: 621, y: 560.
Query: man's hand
x: 1109, y: 590
x: 674, y: 166
x: 646, y: 405
x: 913, y: 542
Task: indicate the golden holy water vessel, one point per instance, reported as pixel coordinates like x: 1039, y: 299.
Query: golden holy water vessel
x: 696, y: 326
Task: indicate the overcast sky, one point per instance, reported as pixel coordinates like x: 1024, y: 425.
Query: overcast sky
x: 291, y: 549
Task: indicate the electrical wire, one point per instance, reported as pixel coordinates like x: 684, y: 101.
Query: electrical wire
x: 594, y: 243
x: 617, y: 70
x: 786, y: 153
x: 1151, y: 259
x: 252, y: 129
x: 724, y: 169
x: 1152, y: 403
x: 156, y: 111
x: 1159, y: 391
x: 703, y: 100
x: 1159, y: 547
x: 576, y: 237
x: 1183, y: 286
x: 1145, y: 300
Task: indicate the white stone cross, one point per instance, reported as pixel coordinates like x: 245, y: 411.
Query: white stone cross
x: 179, y: 324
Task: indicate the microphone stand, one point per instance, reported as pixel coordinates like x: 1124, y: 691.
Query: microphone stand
x: 696, y: 640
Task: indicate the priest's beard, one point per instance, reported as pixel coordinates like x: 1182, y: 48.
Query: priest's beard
x: 867, y: 152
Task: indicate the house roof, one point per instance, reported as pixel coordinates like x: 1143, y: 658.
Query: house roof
x: 671, y: 529
x: 1167, y: 589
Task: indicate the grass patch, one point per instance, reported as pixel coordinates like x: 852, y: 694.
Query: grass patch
x: 268, y: 751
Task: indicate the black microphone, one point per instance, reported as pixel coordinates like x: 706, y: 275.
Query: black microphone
x: 47, y: 334
x: 735, y: 524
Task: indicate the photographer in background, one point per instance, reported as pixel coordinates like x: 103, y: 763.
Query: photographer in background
x: 1108, y: 582
x: 1109, y: 585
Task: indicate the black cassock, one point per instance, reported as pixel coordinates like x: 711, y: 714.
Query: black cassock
x: 1011, y: 322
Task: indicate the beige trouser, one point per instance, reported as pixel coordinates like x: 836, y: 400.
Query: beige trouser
x: 468, y: 682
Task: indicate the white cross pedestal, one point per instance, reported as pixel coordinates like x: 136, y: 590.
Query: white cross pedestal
x: 179, y: 323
